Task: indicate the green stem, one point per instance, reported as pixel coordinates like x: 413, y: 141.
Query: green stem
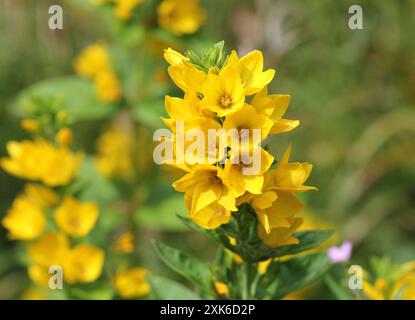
x: 247, y: 294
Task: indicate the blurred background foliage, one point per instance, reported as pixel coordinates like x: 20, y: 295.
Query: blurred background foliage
x: 353, y: 91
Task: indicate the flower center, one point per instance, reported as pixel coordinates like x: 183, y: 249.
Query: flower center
x: 226, y: 101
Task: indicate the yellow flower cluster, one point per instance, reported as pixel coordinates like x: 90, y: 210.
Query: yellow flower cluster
x: 180, y: 16
x: 401, y: 287
x: 39, y: 160
x: 26, y: 220
x: 235, y: 96
x: 82, y: 263
x: 94, y: 63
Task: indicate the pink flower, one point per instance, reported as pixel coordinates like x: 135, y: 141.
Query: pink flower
x: 340, y: 254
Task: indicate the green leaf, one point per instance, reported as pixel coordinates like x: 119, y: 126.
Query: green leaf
x: 99, y: 293
x: 77, y: 97
x: 190, y: 267
x: 337, y: 289
x: 214, y: 56
x: 166, y: 289
x: 294, y: 274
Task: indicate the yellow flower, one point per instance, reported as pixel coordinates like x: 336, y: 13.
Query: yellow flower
x: 40, y: 160
x: 184, y: 109
x: 51, y: 249
x: 41, y: 196
x: 64, y: 136
x: 250, y: 68
x: 115, y: 153
x: 131, y: 283
x: 221, y: 289
x: 281, y: 236
x: 107, y: 86
x: 173, y: 57
x: 187, y: 77
x: 25, y: 220
x: 92, y: 60
x: 85, y: 264
x: 277, y: 206
x: 240, y: 181
x: 274, y: 106
x: 291, y: 176
x: 39, y: 275
x: 125, y: 8
x: 76, y: 218
x: 180, y: 16
x: 206, y: 187
x: 245, y: 121
x: 223, y: 93
x: 30, y: 125
x: 125, y: 242
x: 211, y: 216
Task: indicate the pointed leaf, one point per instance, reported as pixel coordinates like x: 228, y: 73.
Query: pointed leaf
x: 294, y: 274
x: 166, y: 289
x: 189, y: 267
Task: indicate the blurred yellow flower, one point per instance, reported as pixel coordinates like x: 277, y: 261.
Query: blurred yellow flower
x: 180, y: 16
x: 34, y: 294
x: 75, y: 218
x: 125, y: 8
x: 39, y: 275
x: 221, y: 289
x: 125, y: 243
x: 51, y: 249
x: 131, y: 283
x: 30, y: 125
x: 107, y: 86
x: 25, y: 220
x: 85, y: 264
x: 41, y: 195
x: 64, y: 136
x: 115, y: 149
x: 40, y: 160
x: 94, y: 63
x: 92, y: 60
